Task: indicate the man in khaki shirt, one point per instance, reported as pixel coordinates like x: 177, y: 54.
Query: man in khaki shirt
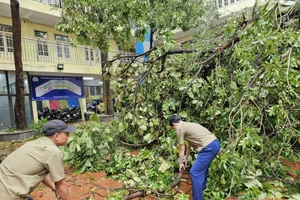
x: 36, y: 161
x: 204, y: 142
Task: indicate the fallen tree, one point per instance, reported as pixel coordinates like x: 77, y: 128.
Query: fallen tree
x: 240, y: 80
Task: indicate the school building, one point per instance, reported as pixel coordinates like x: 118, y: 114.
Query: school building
x: 50, y: 64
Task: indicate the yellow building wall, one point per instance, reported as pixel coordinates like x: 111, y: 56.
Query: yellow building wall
x: 76, y: 64
x: 5, y: 20
x: 28, y: 29
x: 40, y: 7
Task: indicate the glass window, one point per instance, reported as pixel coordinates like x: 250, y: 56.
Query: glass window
x: 3, y: 87
x: 92, y: 54
x: 97, y: 55
x: 92, y: 91
x: 12, y: 83
x: 12, y: 88
x: 61, y: 37
x: 59, y: 50
x: 67, y: 52
x: 62, y: 50
x: 98, y: 90
x: 62, y: 47
x: 87, y: 57
x: 6, y: 43
x: 89, y: 54
x: 5, y: 28
x: 42, y: 48
x: 1, y: 42
x: 86, y: 91
x: 9, y: 43
x: 95, y: 90
x: 40, y: 34
x: 220, y: 3
x: 4, y: 110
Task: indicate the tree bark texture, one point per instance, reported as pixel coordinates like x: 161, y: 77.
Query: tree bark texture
x: 20, y: 119
x: 107, y: 97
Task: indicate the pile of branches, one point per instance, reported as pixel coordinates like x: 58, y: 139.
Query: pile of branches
x: 240, y: 80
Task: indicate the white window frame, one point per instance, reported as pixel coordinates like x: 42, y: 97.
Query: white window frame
x: 63, y: 50
x: 43, y: 49
x: 92, y: 55
x: 6, y: 39
x: 96, y: 92
x: 62, y: 46
x: 224, y: 3
x: 42, y: 45
x: 6, y: 43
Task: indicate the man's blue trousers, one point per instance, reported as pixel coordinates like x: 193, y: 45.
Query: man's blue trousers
x: 199, y: 170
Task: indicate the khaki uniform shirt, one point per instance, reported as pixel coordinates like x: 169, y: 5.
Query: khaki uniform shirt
x: 195, y: 134
x: 23, y: 170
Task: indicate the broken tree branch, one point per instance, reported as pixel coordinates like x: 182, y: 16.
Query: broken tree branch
x: 141, y: 193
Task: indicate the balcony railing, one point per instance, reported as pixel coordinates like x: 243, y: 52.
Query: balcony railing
x: 50, y: 51
x: 124, y: 54
x: 57, y: 3
x: 223, y: 3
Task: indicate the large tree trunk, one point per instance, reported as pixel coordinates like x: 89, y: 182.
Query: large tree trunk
x: 20, y: 119
x: 107, y: 99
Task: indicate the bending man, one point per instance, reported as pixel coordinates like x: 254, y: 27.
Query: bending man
x: 204, y: 142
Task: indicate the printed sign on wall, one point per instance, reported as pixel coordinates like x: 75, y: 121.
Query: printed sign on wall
x: 56, y: 87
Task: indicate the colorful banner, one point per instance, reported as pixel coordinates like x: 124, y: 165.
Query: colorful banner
x: 56, y: 87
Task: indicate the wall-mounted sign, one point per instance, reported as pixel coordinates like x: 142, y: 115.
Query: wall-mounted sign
x: 56, y: 87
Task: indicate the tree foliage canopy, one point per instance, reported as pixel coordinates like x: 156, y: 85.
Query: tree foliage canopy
x: 94, y: 22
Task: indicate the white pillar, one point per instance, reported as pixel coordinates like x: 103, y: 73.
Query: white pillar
x: 82, y: 104
x: 34, y: 111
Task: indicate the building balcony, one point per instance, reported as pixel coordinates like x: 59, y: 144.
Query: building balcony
x: 40, y: 55
x: 227, y: 7
x: 37, y: 11
x: 45, y: 51
x: 224, y: 3
x: 56, y: 3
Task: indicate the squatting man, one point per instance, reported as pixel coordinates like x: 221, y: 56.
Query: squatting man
x: 36, y: 161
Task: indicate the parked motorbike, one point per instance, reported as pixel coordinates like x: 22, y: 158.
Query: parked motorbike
x: 67, y: 114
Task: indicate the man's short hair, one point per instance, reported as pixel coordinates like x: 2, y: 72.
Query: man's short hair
x: 174, y: 119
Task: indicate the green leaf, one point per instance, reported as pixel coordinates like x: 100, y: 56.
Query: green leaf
x: 129, y: 116
x: 252, y: 183
x: 163, y: 167
x: 183, y: 114
x: 233, y: 85
x: 278, y: 195
x: 121, y: 127
x: 147, y: 138
x: 143, y: 127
